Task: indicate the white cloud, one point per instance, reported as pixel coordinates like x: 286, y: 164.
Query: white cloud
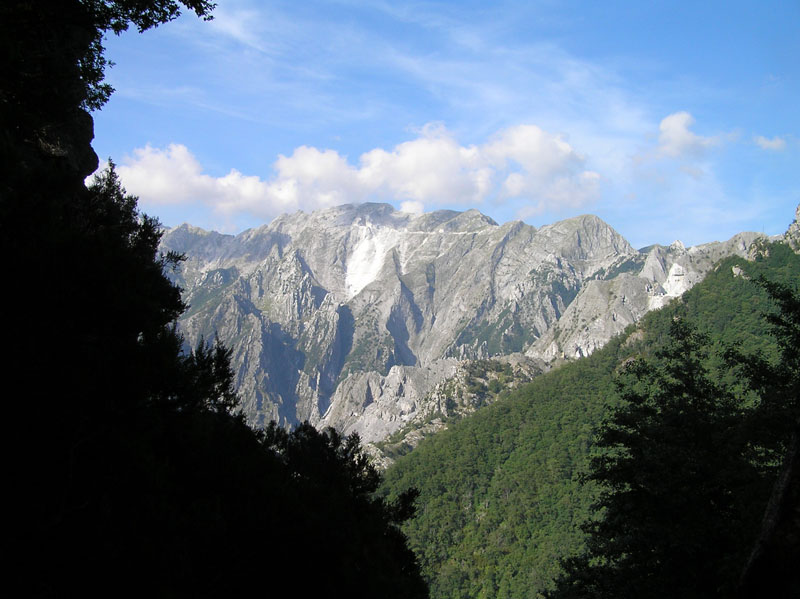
x: 543, y: 166
x: 539, y: 152
x: 239, y: 25
x: 174, y: 176
x: 431, y: 170
x: 676, y: 140
x: 317, y: 178
x: 412, y: 207
x: 168, y: 176
x: 776, y: 143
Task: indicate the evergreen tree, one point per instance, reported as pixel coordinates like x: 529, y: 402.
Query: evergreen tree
x: 131, y: 471
x: 501, y: 490
x: 776, y: 384
x: 771, y: 569
x: 686, y: 469
x: 351, y: 536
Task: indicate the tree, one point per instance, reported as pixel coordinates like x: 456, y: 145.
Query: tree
x: 775, y: 424
x: 351, y: 536
x: 777, y: 385
x: 53, y: 72
x: 675, y: 517
x: 131, y: 472
x: 92, y: 308
x: 109, y: 388
x: 686, y: 466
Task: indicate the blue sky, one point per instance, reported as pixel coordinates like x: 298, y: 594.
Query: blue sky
x: 669, y: 120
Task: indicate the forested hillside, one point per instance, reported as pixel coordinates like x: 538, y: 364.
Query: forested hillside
x: 501, y: 493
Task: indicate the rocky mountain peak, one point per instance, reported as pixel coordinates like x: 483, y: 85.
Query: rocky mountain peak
x: 349, y: 316
x: 587, y: 240
x: 677, y: 246
x: 793, y: 233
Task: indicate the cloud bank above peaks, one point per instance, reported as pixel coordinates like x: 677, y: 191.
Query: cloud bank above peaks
x: 518, y: 172
x: 522, y: 165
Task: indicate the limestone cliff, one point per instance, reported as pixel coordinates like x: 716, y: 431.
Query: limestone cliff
x: 350, y: 317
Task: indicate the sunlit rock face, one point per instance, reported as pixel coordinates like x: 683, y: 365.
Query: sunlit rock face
x: 349, y: 316
x: 793, y: 234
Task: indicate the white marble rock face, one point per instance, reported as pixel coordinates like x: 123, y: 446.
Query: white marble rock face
x: 351, y: 316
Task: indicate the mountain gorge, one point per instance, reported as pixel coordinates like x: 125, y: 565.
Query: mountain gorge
x: 359, y: 316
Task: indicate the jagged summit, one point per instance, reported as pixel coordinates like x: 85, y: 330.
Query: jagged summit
x: 793, y: 233
x: 349, y: 316
x: 385, y: 215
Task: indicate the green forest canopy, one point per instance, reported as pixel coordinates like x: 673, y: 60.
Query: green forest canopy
x: 501, y: 498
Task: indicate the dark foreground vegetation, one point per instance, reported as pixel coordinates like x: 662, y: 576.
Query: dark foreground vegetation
x: 129, y: 472
x: 643, y: 470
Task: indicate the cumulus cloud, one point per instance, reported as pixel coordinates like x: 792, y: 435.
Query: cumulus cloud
x: 538, y: 152
x: 174, y: 176
x: 676, y: 140
x: 522, y: 162
x: 316, y: 178
x: 541, y: 166
x: 432, y: 168
x: 776, y: 143
x: 164, y: 176
x: 412, y: 207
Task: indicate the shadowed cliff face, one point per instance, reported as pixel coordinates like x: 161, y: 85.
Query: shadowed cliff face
x: 332, y: 314
x: 44, y: 128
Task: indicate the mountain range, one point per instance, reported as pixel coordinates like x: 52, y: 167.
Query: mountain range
x: 359, y: 316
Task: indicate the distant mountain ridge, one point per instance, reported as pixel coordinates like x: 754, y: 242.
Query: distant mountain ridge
x: 351, y: 316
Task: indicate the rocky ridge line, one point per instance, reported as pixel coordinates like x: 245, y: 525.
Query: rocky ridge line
x: 352, y: 316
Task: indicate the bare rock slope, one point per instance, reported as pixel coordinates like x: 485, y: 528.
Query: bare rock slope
x: 350, y: 317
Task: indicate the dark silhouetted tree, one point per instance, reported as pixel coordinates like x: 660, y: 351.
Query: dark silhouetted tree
x: 350, y: 535
x: 771, y: 569
x: 130, y: 470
